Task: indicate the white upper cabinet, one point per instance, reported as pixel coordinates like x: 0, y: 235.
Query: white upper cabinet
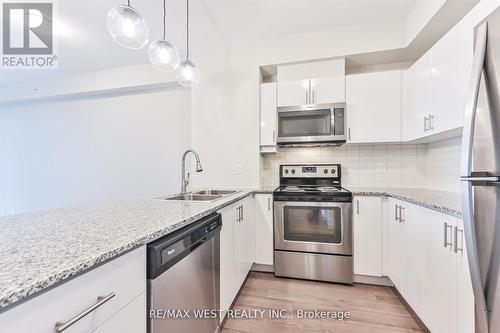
x: 367, y: 224
x: 318, y: 82
x: 291, y: 93
x: 447, y: 75
x: 419, y: 98
x: 374, y: 107
x: 327, y: 90
x: 435, y: 87
x: 268, y: 116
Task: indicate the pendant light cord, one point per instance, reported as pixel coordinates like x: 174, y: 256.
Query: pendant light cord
x: 164, y: 18
x: 128, y: 3
x: 187, y: 29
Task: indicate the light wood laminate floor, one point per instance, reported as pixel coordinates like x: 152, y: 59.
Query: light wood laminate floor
x: 373, y: 309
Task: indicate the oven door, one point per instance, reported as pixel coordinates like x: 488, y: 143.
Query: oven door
x: 319, y: 227
x: 320, y: 123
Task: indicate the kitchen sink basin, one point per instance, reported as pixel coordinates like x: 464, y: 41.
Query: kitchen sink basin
x: 192, y: 197
x: 215, y: 192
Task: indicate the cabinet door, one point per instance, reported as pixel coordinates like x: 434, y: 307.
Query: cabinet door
x: 130, y: 319
x: 292, y: 93
x: 245, y: 242
x: 228, y: 264
x: 374, y: 107
x: 264, y: 247
x: 419, y: 97
x: 394, y: 246
x: 414, y: 258
x: 367, y: 224
x: 268, y: 114
x: 328, y: 90
x: 465, y: 295
x: 447, y: 75
x: 440, y: 292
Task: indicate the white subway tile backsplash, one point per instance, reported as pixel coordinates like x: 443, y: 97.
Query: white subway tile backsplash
x: 434, y: 165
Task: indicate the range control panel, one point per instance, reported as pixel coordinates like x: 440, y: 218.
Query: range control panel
x: 310, y: 171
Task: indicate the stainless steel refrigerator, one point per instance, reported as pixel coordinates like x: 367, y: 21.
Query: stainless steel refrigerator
x: 480, y: 171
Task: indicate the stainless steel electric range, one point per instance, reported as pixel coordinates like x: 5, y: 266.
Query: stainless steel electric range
x: 313, y: 224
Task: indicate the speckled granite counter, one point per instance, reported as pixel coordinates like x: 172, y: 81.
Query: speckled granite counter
x: 39, y: 250
x: 265, y: 189
x: 446, y: 202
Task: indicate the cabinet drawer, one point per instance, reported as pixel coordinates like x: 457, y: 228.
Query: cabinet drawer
x: 131, y: 319
x: 125, y: 277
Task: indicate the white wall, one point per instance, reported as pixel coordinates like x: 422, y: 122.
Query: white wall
x: 78, y: 151
x: 405, y: 164
x: 443, y: 165
x: 226, y: 117
x: 434, y: 165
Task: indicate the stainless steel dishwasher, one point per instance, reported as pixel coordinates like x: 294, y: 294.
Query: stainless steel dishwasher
x: 183, y: 275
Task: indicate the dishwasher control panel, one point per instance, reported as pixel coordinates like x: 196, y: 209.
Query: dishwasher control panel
x: 168, y: 250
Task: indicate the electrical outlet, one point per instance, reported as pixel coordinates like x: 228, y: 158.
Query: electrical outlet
x: 381, y: 168
x: 238, y: 170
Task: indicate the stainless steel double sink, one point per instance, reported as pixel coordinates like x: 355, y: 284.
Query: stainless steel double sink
x: 204, y: 195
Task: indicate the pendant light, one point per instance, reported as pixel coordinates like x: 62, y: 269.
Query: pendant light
x: 188, y: 74
x: 163, y: 54
x: 127, y: 27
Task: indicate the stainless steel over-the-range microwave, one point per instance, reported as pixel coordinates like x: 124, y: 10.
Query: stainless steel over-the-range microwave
x: 312, y: 124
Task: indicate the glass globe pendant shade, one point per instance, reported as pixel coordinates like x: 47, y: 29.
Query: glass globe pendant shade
x: 127, y: 27
x: 163, y: 55
x: 188, y: 74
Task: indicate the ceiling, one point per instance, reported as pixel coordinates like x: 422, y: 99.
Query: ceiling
x: 242, y: 20
x: 85, y: 45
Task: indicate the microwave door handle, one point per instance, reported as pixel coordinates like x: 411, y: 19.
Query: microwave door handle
x: 467, y: 196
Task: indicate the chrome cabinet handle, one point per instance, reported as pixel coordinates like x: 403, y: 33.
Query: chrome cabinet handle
x: 456, y: 249
x: 349, y: 133
x: 401, y: 211
x: 425, y: 124
x: 314, y: 97
x: 238, y: 214
x: 445, y: 230
x: 431, y: 122
x: 60, y: 326
x: 241, y: 213
x: 466, y: 168
x: 307, y: 97
x: 396, y: 213
x: 357, y: 207
x: 268, y: 203
x: 274, y: 136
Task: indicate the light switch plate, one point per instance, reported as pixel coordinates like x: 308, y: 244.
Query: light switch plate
x: 238, y: 170
x: 381, y: 168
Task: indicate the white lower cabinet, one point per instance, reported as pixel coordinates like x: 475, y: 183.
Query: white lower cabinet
x: 394, y: 244
x: 245, y: 243
x: 228, y: 264
x: 367, y: 226
x: 237, y: 249
x: 428, y: 265
x: 264, y: 246
x: 414, y: 238
x: 130, y: 319
x: 440, y: 295
x: 465, y: 294
x: 123, y: 277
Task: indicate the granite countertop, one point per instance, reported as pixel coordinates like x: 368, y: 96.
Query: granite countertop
x: 39, y: 250
x: 442, y: 201
x: 265, y: 189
